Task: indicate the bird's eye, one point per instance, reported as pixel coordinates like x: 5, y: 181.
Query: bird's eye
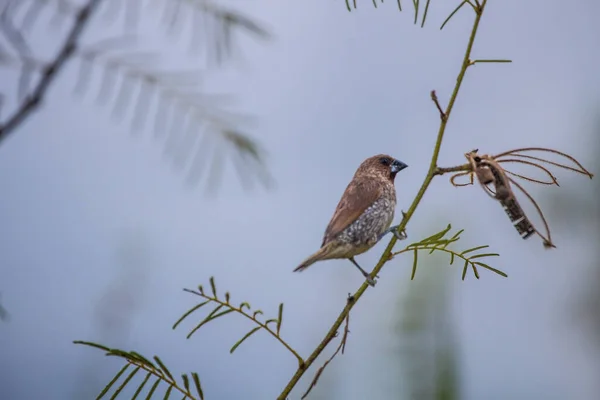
x: 477, y: 159
x: 385, y: 161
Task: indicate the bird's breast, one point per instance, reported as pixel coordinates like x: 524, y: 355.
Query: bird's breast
x: 370, y: 224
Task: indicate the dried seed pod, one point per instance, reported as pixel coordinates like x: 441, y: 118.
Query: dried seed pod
x: 489, y: 172
x: 484, y: 175
x: 496, y: 182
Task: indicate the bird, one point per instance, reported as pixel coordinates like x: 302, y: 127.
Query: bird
x: 363, y: 215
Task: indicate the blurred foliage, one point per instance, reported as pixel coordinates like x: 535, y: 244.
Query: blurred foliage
x: 581, y: 208
x: 4, y: 315
x: 195, y: 128
x: 119, y: 304
x: 426, y: 337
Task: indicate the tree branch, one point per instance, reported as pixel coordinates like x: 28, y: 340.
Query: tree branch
x: 34, y: 99
x: 433, y: 171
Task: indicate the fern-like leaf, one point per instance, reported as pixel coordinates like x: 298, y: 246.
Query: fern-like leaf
x: 141, y: 363
x: 439, y: 242
x: 224, y: 307
x: 246, y: 336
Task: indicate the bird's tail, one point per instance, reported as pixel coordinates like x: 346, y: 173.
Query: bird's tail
x: 321, y: 254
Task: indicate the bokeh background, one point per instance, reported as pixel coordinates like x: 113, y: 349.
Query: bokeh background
x: 101, y: 229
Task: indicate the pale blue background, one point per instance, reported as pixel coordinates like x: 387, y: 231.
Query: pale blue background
x: 331, y: 89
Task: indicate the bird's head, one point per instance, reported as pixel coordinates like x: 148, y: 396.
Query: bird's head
x: 382, y: 166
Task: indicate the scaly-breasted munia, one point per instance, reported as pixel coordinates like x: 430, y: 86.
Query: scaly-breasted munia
x: 363, y: 215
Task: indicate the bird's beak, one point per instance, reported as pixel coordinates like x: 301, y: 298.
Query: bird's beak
x: 397, y: 166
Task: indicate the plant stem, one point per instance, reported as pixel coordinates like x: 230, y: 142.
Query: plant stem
x: 388, y: 250
x: 66, y: 52
x: 257, y: 322
x: 458, y: 168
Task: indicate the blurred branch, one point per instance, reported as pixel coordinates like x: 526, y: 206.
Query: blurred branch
x: 4, y: 315
x: 193, y: 119
x: 33, y: 100
x: 184, y: 114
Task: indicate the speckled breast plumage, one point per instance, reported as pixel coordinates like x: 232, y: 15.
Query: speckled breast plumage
x: 373, y: 222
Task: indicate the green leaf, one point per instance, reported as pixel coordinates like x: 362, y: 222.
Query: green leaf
x: 491, y: 269
x: 474, y: 249
x: 164, y: 369
x: 205, y: 320
x: 245, y: 304
x: 425, y: 13
x: 452, y: 14
x: 213, y: 315
x: 279, y: 318
x: 414, y: 267
x: 125, y: 382
x: 119, y: 353
x: 198, y: 386
x: 491, y: 61
x: 141, y: 359
x: 186, y: 382
x: 457, y: 235
x: 484, y: 255
x: 464, y: 274
x: 267, y: 322
x: 213, y: 287
x: 187, y: 314
x: 141, y: 387
x: 437, y: 236
x: 168, y: 392
x: 153, y: 389
x: 256, y: 313
x: 221, y: 314
x: 91, y: 344
x: 112, y: 382
x: 246, y: 336
x: 416, y: 4
x: 475, y: 272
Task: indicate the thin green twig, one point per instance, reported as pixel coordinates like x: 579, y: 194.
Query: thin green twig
x: 252, y: 318
x: 433, y: 171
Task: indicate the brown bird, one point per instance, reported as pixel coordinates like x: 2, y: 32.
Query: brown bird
x: 363, y: 215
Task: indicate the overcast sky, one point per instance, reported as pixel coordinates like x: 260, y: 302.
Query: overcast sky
x: 330, y: 90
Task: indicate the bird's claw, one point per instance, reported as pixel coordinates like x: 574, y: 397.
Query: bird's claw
x: 394, y: 230
x: 400, y: 235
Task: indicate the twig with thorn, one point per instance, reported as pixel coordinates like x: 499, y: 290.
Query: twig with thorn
x: 443, y: 116
x: 341, y: 347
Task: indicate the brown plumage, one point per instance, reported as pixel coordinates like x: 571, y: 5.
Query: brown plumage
x: 363, y: 215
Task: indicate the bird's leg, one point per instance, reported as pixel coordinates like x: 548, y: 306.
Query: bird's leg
x: 370, y: 281
x: 394, y: 229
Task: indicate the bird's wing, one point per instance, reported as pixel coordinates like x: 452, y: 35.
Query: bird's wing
x: 355, y: 200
